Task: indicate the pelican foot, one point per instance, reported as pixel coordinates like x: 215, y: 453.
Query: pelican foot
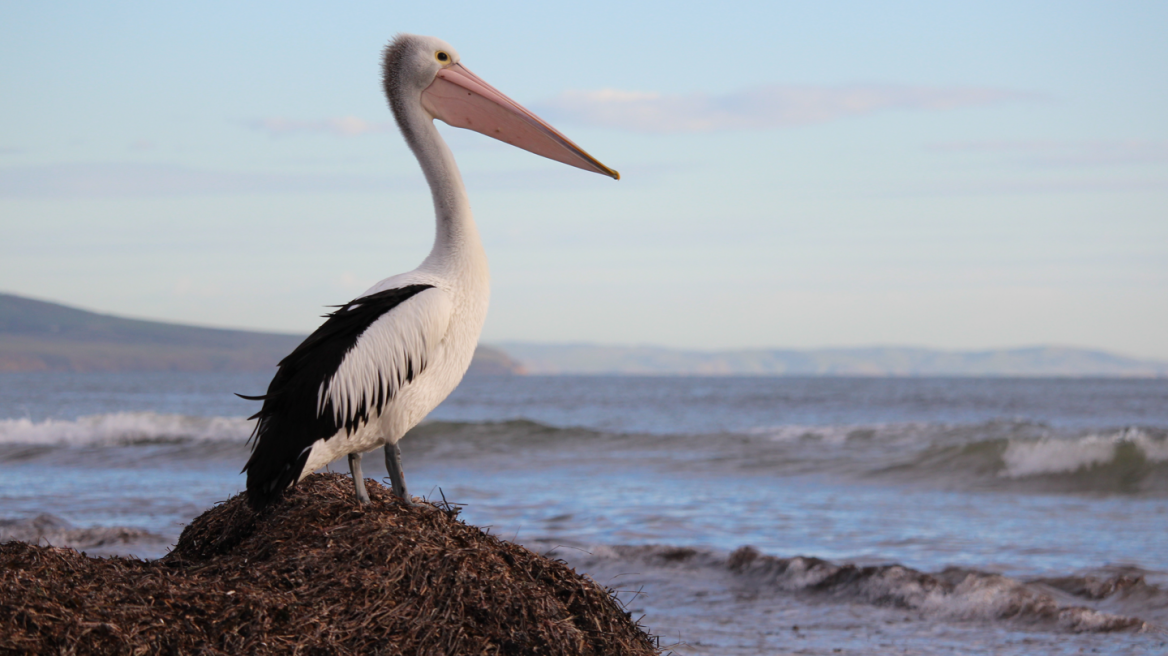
x: 358, y: 479
x: 397, y: 477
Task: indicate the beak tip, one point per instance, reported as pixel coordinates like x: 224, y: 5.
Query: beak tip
x: 615, y: 174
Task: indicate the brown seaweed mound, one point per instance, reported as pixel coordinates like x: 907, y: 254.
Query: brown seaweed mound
x: 314, y: 574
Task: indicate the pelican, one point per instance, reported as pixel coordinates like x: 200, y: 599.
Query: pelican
x: 381, y: 362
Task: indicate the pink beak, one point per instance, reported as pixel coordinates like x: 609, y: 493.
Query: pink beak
x: 463, y: 100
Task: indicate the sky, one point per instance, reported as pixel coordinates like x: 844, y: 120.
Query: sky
x: 794, y: 175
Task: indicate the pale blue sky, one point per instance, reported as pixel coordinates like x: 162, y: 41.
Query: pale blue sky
x: 795, y: 174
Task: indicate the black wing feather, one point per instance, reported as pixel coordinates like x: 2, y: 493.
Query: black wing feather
x: 288, y: 421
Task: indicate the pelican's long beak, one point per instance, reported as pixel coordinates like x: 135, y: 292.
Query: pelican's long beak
x: 464, y: 100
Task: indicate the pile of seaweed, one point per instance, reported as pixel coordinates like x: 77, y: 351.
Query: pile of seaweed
x: 313, y: 574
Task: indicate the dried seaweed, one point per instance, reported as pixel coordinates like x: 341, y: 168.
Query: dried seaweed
x: 313, y: 574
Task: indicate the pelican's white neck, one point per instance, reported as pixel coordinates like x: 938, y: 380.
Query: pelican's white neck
x: 457, y: 237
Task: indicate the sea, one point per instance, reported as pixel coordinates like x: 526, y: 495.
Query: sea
x: 737, y: 516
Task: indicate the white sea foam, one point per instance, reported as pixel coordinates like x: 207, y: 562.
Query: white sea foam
x: 838, y: 434
x: 1054, y: 456
x: 123, y: 428
x: 793, y: 433
x: 1060, y: 456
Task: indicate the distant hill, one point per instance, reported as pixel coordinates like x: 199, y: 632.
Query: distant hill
x: 874, y: 361
x: 42, y: 336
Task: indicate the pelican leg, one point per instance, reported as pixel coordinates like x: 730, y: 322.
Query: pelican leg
x: 396, y: 476
x: 358, y: 479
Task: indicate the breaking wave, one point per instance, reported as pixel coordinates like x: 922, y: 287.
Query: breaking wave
x: 124, y: 428
x: 1073, y: 603
x: 1015, y: 455
x: 57, y: 531
x: 1123, y: 461
x: 1060, y: 456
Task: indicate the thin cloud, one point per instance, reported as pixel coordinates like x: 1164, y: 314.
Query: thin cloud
x: 345, y: 126
x: 1048, y: 153
x: 759, y: 108
x: 114, y: 180
x: 1012, y: 187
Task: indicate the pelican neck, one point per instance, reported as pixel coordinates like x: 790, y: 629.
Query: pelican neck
x: 456, y: 235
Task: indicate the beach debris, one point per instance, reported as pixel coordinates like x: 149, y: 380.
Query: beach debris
x: 314, y: 574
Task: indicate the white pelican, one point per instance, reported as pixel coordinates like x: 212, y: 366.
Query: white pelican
x: 383, y: 361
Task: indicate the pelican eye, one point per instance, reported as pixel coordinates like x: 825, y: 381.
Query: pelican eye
x: 442, y: 57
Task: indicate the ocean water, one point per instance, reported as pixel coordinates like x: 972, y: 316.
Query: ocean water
x: 738, y: 515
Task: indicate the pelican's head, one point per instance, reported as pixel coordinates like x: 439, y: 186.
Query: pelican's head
x: 426, y: 70
x: 412, y: 62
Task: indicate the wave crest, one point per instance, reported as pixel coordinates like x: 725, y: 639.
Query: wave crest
x: 1061, y: 456
x: 124, y: 428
